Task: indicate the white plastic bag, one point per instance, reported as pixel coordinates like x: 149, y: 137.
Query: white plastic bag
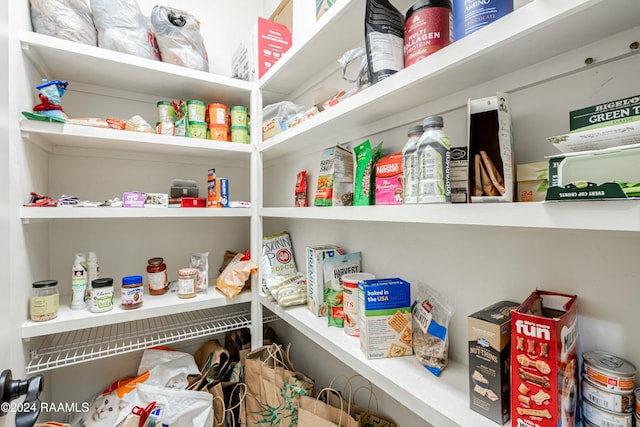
x: 64, y: 19
x: 179, y: 39
x: 122, y: 27
x: 178, y: 408
x: 167, y: 368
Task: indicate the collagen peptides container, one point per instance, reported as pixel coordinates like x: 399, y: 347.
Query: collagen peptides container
x: 428, y: 27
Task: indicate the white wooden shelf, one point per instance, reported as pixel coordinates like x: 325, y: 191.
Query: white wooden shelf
x: 152, y: 306
x: 443, y: 400
x: 623, y: 215
x: 528, y: 36
x: 76, y: 62
x: 53, y: 135
x: 28, y: 214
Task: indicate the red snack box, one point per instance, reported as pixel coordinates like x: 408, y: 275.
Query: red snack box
x: 194, y: 202
x: 544, y: 366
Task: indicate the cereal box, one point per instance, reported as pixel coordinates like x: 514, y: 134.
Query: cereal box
x: 315, y: 276
x: 389, y: 180
x: 384, y: 315
x: 489, y: 333
x: 544, y: 367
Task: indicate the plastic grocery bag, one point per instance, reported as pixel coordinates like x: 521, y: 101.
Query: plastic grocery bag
x: 179, y: 39
x: 122, y: 27
x: 64, y: 19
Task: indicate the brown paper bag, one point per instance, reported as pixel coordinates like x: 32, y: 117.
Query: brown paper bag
x: 273, y: 388
x: 313, y: 412
x: 229, y: 404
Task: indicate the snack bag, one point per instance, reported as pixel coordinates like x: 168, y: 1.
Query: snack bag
x: 301, y: 190
x: 277, y: 259
x: 335, y: 179
x: 334, y: 269
x: 232, y: 279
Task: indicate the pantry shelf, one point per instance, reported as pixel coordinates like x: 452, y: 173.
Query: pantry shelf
x: 80, y: 63
x: 92, y: 343
x: 69, y: 320
x: 623, y: 215
x: 53, y: 136
x: 504, y: 48
x: 34, y: 214
x: 444, y: 400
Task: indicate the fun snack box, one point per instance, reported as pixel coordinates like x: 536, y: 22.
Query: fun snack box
x: 544, y: 366
x: 384, y: 316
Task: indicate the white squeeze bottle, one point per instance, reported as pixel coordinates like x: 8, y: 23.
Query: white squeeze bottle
x: 79, y: 283
x: 410, y: 166
x: 434, y: 160
x: 93, y: 272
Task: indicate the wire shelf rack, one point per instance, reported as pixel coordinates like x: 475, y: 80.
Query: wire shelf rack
x: 69, y: 348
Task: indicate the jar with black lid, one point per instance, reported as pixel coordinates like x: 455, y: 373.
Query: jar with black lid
x: 44, y: 301
x: 101, y: 295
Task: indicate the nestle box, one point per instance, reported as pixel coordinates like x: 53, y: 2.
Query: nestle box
x: 532, y: 181
x: 544, y: 366
x: 264, y: 46
x: 489, y: 332
x: 384, y: 316
x: 315, y: 276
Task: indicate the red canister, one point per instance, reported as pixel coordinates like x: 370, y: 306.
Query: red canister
x: 428, y: 27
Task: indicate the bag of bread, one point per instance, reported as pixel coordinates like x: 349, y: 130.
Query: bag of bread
x: 431, y: 314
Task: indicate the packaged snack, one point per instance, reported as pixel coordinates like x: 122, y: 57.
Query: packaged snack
x: 277, y: 258
x: 431, y: 315
x: 200, y: 261
x: 236, y: 274
x: 334, y: 269
x: 335, y: 178
x: 366, y: 158
x: 301, y: 190
x: 315, y: 276
x: 388, y: 180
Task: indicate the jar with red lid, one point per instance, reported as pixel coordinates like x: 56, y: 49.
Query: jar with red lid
x: 157, y: 279
x: 187, y: 282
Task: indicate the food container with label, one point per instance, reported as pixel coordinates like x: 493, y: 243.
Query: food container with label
x: 187, y: 282
x: 240, y: 134
x: 350, y: 301
x: 218, y: 115
x: 166, y: 112
x: 157, y: 276
x: 238, y: 115
x: 44, y: 301
x: 131, y: 292
x: 101, y: 295
x: 218, y: 132
x: 197, y: 130
x: 608, y: 371
x: 196, y: 110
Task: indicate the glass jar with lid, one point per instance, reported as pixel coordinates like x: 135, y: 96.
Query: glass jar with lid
x: 101, y: 295
x: 187, y: 282
x: 157, y: 279
x: 44, y: 301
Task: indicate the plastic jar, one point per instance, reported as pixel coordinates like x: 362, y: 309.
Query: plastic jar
x: 428, y: 27
x: 240, y: 134
x: 157, y: 276
x: 101, y: 295
x: 218, y: 132
x: 238, y: 115
x: 197, y: 130
x: 132, y: 290
x: 218, y: 115
x: 187, y: 282
x: 196, y: 110
x: 166, y: 112
x: 44, y: 301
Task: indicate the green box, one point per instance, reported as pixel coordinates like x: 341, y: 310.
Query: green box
x: 606, y: 114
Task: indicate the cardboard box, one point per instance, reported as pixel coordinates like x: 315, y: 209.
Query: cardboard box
x: 610, y: 173
x: 459, y: 174
x: 283, y: 14
x: 388, y: 180
x: 489, y: 131
x: 489, y: 332
x: 544, y: 365
x: 315, y: 276
x: 322, y: 6
x: 193, y: 202
x: 606, y: 114
x: 264, y: 46
x: 133, y: 199
x: 384, y: 316
x: 532, y: 181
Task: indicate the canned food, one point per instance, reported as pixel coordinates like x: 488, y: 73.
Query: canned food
x: 606, y: 399
x: 608, y: 371
x: 602, y: 418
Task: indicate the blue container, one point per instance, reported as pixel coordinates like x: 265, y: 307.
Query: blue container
x: 471, y: 15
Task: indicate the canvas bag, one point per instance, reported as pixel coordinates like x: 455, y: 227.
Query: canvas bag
x: 313, y: 412
x: 274, y: 388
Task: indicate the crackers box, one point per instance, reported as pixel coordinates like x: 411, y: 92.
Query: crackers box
x: 315, y: 276
x: 384, y: 316
x: 532, y: 181
x: 489, y: 333
x: 544, y: 366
